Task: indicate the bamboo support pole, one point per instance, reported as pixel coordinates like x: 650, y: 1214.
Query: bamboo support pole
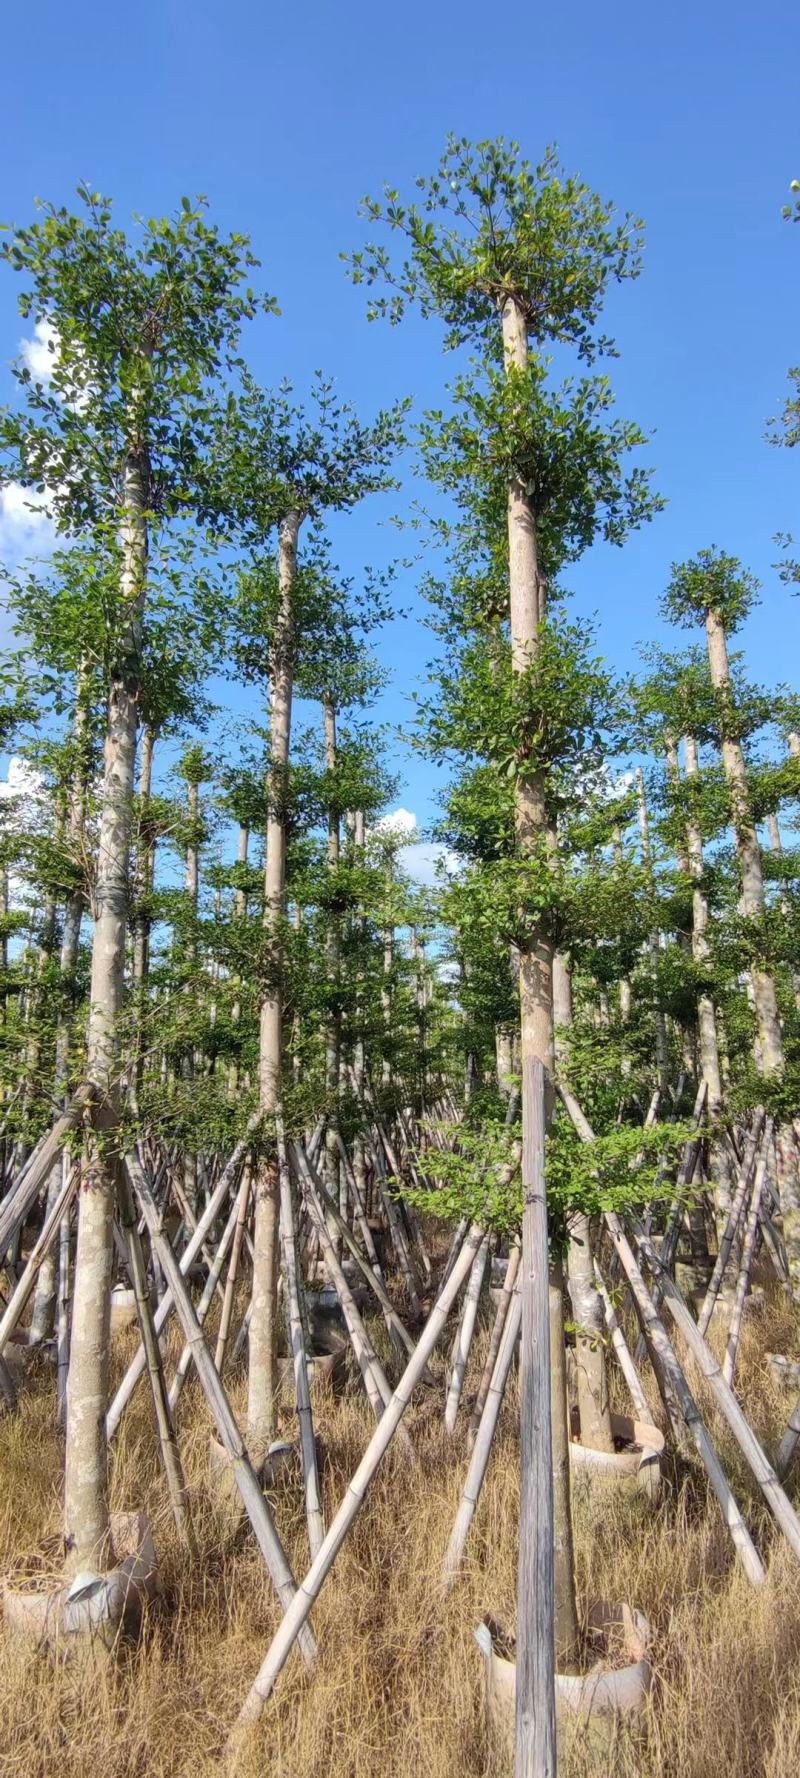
x: 358, y: 1205
x: 670, y: 1369
x: 509, y: 1282
x: 168, y: 1445
x: 25, y: 1190
x: 23, y: 1288
x: 207, y: 1296
x: 762, y: 1470
x: 244, y: 1475
x: 310, y: 1587
x: 453, y: 1252
x: 670, y: 1365
x: 733, y: 1220
x: 481, y: 1451
x: 137, y: 1365
x: 464, y: 1335
x: 376, y: 1384
x: 375, y: 1282
x: 748, y: 1255
x: 297, y: 1344
x: 620, y: 1345
x: 242, y: 1206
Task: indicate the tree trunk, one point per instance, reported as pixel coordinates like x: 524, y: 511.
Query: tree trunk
x: 662, y: 1049
x: 146, y: 849
x: 546, y: 1512
x: 85, y: 1486
x: 333, y: 1030
x: 706, y: 1013
x: 263, y: 1331
x: 770, y: 1040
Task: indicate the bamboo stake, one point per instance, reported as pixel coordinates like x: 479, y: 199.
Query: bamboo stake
x: 777, y: 1500
x: 244, y: 1475
x: 494, y: 1343
x: 669, y: 1363
x: 734, y: 1218
x: 358, y: 1202
x: 168, y: 1445
x: 464, y: 1335
x: 27, y: 1186
x: 242, y: 1205
x: 748, y: 1254
x: 620, y: 1345
x: 308, y: 1448
x: 453, y: 1251
x: 672, y: 1371
x: 137, y: 1365
x: 27, y: 1279
x: 376, y: 1384
x: 307, y: 1593
x: 370, y: 1277
x: 209, y: 1290
x: 482, y: 1447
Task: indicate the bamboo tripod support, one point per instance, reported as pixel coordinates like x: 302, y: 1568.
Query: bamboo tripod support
x: 669, y: 1370
x: 244, y: 1474
x: 299, y: 1611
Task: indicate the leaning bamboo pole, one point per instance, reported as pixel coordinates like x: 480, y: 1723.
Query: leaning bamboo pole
x: 762, y: 1470
x: 464, y: 1335
x: 732, y: 1224
x: 310, y: 1587
x: 137, y: 1365
x: 207, y: 1296
x: 620, y: 1345
x: 308, y: 1448
x: 748, y: 1255
x: 242, y: 1206
x: 671, y: 1371
x: 371, y: 1278
x: 506, y: 1293
x: 376, y: 1385
x: 168, y: 1444
x: 481, y: 1450
x: 23, y: 1193
x: 15, y: 1307
x: 244, y: 1475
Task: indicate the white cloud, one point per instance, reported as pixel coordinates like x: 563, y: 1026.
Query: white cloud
x: 25, y: 522
x: 400, y: 821
x: 39, y: 354
x: 25, y: 793
x: 423, y: 859
x: 23, y: 786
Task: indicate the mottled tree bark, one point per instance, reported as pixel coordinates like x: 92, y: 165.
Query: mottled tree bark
x: 706, y: 1012
x: 85, y: 1488
x: 748, y: 850
x: 263, y: 1330
x: 526, y: 611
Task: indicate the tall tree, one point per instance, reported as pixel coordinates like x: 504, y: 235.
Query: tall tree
x: 141, y: 329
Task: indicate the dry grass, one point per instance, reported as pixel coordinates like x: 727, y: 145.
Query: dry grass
x: 398, y: 1690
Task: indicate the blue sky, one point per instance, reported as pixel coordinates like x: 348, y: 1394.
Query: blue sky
x: 285, y: 117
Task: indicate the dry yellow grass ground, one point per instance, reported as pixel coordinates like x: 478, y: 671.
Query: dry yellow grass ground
x: 398, y: 1691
